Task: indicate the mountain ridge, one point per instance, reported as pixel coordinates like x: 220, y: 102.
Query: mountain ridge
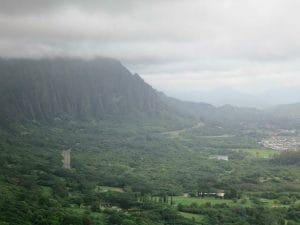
x: 46, y: 88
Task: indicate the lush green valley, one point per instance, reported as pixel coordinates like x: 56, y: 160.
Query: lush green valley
x: 152, y: 169
x: 136, y: 158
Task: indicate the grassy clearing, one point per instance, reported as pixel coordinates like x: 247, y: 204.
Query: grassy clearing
x: 194, y: 217
x: 259, y: 152
x: 200, y: 201
x: 271, y: 203
x: 177, y: 133
x: 244, y: 202
x: 106, y: 189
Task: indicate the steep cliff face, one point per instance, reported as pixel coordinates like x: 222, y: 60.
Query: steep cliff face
x: 49, y: 88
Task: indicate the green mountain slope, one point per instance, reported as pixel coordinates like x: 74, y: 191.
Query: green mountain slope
x: 152, y: 162
x: 49, y: 88
x: 285, y: 116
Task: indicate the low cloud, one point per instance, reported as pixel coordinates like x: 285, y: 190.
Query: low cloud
x: 246, y: 44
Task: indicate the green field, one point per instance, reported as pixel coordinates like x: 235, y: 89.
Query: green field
x: 201, y: 201
x: 195, y: 217
x: 245, y: 202
x: 259, y: 153
x: 271, y: 203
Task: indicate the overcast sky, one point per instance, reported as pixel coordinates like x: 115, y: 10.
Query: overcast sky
x: 178, y: 46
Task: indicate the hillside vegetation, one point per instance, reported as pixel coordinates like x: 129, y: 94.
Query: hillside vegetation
x: 137, y: 156
x: 48, y: 88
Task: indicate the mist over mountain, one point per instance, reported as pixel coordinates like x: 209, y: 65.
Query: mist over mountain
x: 229, y: 96
x: 281, y: 96
x: 220, y: 97
x: 138, y: 112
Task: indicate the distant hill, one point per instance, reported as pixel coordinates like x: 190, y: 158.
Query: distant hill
x: 288, y: 111
x: 285, y: 116
x: 223, y: 115
x: 227, y: 96
x: 222, y: 96
x: 67, y: 87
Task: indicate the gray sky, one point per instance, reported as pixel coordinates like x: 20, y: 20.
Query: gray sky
x: 178, y: 46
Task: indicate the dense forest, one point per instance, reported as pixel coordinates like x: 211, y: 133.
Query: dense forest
x: 137, y: 156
